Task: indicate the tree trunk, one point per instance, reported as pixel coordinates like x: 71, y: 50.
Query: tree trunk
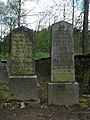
x: 73, y: 14
x: 85, y: 28
x: 19, y: 13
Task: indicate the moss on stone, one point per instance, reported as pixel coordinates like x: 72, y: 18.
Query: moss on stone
x: 22, y: 54
x: 63, y: 75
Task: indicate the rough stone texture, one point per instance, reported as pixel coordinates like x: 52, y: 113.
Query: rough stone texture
x: 62, y: 90
x: 62, y: 56
x: 23, y: 87
x: 3, y: 72
x: 22, y: 55
x: 63, y: 93
x: 22, y: 80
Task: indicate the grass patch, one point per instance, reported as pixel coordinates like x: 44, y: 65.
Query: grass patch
x: 4, y: 96
x: 84, y: 103
x: 4, y: 92
x: 4, y: 87
x: 41, y: 55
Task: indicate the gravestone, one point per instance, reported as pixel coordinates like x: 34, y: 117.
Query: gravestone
x: 22, y: 56
x: 22, y: 80
x: 3, y: 72
x: 63, y: 90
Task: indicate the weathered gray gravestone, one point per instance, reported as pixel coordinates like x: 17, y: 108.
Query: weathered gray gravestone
x: 63, y: 90
x: 22, y: 80
x: 3, y: 72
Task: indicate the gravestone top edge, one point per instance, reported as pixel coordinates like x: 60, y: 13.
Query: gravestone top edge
x: 62, y: 22
x: 64, y: 25
x: 22, y: 28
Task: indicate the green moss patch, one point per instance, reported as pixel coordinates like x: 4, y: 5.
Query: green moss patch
x: 84, y: 103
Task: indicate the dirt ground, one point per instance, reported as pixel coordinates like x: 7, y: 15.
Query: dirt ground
x: 43, y: 111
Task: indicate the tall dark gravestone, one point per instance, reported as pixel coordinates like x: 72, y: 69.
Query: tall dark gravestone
x: 22, y: 80
x: 63, y: 90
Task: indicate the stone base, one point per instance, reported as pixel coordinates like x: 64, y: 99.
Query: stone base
x: 23, y: 87
x: 63, y: 93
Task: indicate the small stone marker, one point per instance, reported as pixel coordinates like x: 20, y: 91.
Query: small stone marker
x: 3, y: 72
x: 22, y: 80
x: 22, y: 105
x: 63, y: 90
